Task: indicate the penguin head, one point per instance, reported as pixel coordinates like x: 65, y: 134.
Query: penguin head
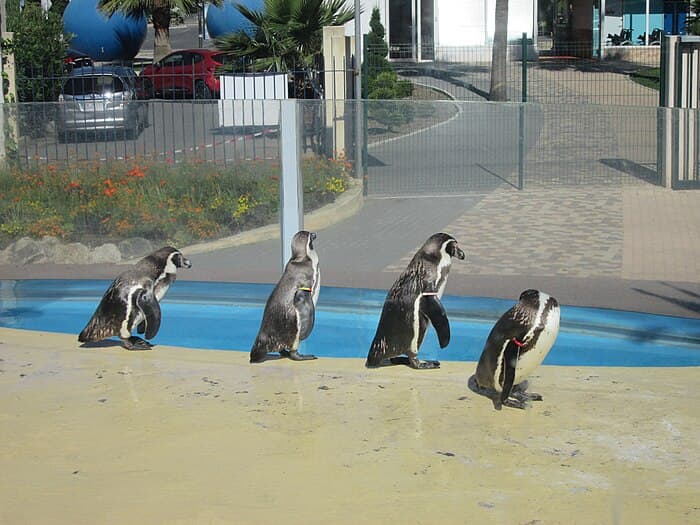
x: 180, y: 261
x: 302, y: 244
x: 530, y: 298
x: 170, y: 259
x: 441, y: 243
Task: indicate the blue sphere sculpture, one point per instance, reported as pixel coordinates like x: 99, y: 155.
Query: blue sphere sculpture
x: 228, y: 19
x: 103, y: 38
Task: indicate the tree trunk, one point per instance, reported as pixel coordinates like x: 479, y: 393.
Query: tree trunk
x: 498, y: 91
x: 161, y: 27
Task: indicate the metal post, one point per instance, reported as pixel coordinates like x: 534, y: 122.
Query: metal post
x: 200, y: 23
x: 292, y: 187
x: 358, y: 92
x: 2, y: 83
x: 521, y: 116
x: 523, y: 56
x: 365, y: 76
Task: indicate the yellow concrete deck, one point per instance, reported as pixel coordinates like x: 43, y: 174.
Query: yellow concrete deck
x: 177, y: 436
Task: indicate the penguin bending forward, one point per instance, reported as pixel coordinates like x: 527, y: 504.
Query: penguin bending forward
x: 412, y: 302
x: 517, y: 344
x: 290, y: 310
x: 132, y: 300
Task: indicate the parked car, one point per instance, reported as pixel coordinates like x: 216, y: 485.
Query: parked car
x: 102, y: 98
x: 188, y: 73
x: 76, y: 59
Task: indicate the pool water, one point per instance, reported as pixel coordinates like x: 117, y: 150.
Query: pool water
x: 226, y: 316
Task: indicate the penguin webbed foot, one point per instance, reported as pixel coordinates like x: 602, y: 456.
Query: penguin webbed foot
x: 520, y: 393
x: 296, y: 356
x: 414, y: 363
x: 136, y: 343
x: 521, y: 399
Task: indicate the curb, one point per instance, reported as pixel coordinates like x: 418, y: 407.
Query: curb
x: 345, y: 206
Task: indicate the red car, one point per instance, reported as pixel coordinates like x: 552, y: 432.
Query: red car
x: 188, y: 73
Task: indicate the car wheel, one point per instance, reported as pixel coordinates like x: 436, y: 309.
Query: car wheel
x: 133, y: 132
x: 201, y: 91
x: 150, y: 91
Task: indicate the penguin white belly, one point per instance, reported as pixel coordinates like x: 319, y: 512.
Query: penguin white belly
x: 416, y: 325
x: 161, y: 290
x: 531, y: 359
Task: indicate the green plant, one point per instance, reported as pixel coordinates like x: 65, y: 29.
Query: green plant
x: 179, y: 203
x: 648, y: 76
x: 382, y: 82
x: 287, y: 34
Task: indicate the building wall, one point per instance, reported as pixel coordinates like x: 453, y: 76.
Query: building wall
x: 460, y: 22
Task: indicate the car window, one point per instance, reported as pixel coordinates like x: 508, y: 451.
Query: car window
x: 176, y: 60
x: 93, y: 85
x: 190, y: 59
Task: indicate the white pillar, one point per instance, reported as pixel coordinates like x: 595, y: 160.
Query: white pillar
x: 292, y: 187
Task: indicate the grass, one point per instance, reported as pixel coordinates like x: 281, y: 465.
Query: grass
x: 169, y: 203
x: 648, y: 76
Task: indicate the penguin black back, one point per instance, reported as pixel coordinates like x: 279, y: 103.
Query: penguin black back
x: 132, y: 300
x: 289, y: 312
x: 516, y: 345
x: 413, y: 301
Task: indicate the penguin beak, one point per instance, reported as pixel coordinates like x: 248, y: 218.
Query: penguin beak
x: 459, y: 253
x: 186, y: 263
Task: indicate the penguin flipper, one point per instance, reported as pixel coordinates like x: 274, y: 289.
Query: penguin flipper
x: 306, y: 312
x: 433, y: 310
x: 148, y: 304
x: 510, y: 361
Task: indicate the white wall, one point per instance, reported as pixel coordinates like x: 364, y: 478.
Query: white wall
x: 460, y: 22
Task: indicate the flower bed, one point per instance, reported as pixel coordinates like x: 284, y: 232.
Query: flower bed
x: 166, y: 203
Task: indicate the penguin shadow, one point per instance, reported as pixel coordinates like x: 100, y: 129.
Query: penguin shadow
x: 519, y: 391
x: 108, y: 343
x: 404, y: 361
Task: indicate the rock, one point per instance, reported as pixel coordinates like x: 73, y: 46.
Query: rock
x: 107, y: 253
x: 135, y: 247
x: 26, y: 251
x: 72, y: 253
x: 48, y: 244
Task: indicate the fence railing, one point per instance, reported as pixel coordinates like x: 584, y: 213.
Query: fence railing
x: 556, y: 75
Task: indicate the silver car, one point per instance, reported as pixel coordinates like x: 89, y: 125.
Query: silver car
x: 102, y: 98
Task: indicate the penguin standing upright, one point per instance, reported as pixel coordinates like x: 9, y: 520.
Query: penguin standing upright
x: 291, y: 308
x: 132, y: 300
x: 517, y: 344
x: 412, y: 301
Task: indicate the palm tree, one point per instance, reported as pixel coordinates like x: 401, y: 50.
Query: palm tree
x: 286, y: 34
x: 159, y: 11
x: 498, y: 90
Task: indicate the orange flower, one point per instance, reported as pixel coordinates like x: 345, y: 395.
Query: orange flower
x: 136, y: 172
x: 110, y: 191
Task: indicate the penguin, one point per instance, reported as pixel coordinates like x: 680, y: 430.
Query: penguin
x: 133, y: 300
x: 412, y: 302
x: 516, y: 345
x: 290, y: 310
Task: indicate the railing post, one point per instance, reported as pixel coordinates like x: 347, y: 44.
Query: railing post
x: 292, y: 187
x: 523, y: 57
x: 521, y: 115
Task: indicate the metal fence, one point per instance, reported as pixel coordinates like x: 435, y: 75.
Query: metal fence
x: 548, y: 76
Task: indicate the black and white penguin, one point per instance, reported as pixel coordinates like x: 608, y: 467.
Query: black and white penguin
x: 517, y: 344
x: 290, y: 310
x: 412, y: 302
x: 132, y: 300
